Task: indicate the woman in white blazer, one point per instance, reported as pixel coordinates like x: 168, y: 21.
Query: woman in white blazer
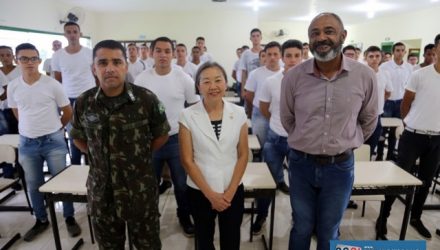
x: 214, y: 152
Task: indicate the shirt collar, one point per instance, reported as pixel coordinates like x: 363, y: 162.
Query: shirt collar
x: 127, y: 94
x: 312, y: 69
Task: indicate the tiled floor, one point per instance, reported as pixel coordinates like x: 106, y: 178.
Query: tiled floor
x: 354, y: 227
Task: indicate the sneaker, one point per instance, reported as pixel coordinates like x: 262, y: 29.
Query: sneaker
x: 282, y: 186
x: 258, y: 225
x: 420, y: 228
x: 37, y: 229
x: 381, y: 231
x: 164, y: 186
x: 352, y: 205
x: 72, y: 227
x: 187, y: 226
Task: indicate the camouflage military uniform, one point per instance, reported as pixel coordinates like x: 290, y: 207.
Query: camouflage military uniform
x: 121, y: 185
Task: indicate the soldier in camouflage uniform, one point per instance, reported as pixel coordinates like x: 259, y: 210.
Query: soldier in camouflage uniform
x: 119, y: 125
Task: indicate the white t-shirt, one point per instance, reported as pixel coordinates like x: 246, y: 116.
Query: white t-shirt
x: 172, y: 90
x: 424, y: 114
x: 206, y: 57
x: 37, y: 105
x: 76, y: 70
x: 3, y: 82
x: 255, y: 82
x: 383, y: 84
x: 399, y: 77
x: 237, y: 70
x: 134, y: 69
x: 249, y: 61
x: 271, y: 93
x: 190, y: 68
x: 15, y: 73
x: 47, y: 66
x: 149, y: 62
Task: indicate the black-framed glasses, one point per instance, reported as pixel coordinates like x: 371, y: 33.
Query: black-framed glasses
x: 25, y: 59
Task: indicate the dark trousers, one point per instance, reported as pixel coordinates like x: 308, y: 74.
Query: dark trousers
x: 411, y: 147
x: 204, y: 220
x: 391, y: 109
x: 75, y: 153
x: 374, y: 138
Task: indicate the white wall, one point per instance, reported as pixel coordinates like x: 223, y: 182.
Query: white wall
x: 42, y: 15
x: 406, y: 26
x: 223, y: 31
x: 294, y: 30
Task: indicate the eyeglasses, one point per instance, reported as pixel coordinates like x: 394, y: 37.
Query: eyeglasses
x: 25, y: 59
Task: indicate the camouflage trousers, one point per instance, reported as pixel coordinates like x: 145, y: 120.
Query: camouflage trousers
x: 110, y: 232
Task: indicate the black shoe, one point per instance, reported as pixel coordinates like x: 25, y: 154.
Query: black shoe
x: 437, y: 232
x: 420, y: 228
x: 37, y: 229
x: 258, y: 225
x: 381, y: 231
x: 164, y: 186
x: 72, y: 227
x: 352, y: 205
x: 187, y: 226
x: 282, y: 186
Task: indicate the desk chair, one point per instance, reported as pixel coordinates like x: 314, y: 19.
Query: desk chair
x: 363, y: 154
x: 9, y: 155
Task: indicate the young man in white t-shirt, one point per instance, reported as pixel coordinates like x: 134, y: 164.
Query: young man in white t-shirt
x: 56, y: 45
x: 253, y: 86
x: 275, y: 148
x: 145, y: 56
x: 135, y: 64
x: 181, y: 56
x: 399, y: 72
x: 250, y: 58
x: 373, y: 56
x: 72, y: 66
x: 174, y: 88
x: 420, y: 139
x: 35, y: 99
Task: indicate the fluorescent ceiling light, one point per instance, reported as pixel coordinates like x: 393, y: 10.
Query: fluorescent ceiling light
x: 372, y: 6
x: 256, y: 4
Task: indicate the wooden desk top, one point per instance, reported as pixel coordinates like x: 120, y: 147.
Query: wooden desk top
x: 254, y: 143
x: 258, y: 176
x: 382, y: 173
x: 391, y: 122
x: 72, y: 180
x: 10, y: 139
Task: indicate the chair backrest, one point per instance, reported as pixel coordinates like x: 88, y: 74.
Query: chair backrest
x: 7, y: 154
x: 362, y: 153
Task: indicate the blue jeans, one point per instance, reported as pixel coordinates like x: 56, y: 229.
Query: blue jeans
x: 32, y: 154
x: 260, y: 125
x: 169, y: 153
x: 275, y: 151
x: 75, y: 153
x: 319, y: 195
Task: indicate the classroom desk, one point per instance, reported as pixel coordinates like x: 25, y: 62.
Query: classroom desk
x: 10, y: 139
x: 6, y: 243
x: 233, y: 99
x: 13, y: 140
x: 385, y: 178
x: 70, y: 185
x: 259, y: 183
x: 254, y: 143
x: 67, y: 185
x: 391, y: 122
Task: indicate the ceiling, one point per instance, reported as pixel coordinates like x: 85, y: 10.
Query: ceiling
x: 351, y: 11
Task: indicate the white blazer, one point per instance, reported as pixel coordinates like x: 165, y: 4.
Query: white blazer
x: 215, y: 158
